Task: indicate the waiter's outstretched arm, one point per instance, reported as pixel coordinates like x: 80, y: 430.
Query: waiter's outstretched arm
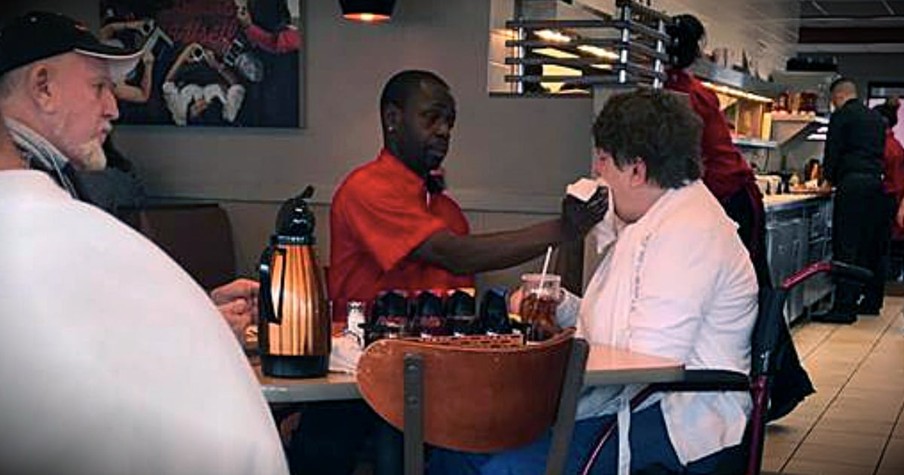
x: 485, y: 252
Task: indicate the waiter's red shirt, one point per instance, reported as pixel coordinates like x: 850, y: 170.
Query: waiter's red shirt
x: 379, y: 215
x: 893, y: 183
x: 894, y: 165
x: 725, y: 172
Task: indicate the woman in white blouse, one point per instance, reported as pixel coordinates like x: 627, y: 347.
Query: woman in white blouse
x: 674, y: 280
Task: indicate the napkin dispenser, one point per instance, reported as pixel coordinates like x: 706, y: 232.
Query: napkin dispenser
x: 294, y: 326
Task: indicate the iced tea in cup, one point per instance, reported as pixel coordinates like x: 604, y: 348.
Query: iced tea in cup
x: 541, y: 295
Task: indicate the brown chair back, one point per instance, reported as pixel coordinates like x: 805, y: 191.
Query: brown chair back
x: 197, y: 236
x: 475, y: 398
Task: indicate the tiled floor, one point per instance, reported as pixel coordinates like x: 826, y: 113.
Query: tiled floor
x: 853, y: 425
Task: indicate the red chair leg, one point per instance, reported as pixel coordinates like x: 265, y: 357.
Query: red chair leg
x: 758, y: 392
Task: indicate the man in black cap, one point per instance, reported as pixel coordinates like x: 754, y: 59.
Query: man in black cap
x: 56, y: 93
x: 56, y: 98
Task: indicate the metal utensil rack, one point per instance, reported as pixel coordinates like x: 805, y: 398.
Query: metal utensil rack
x: 636, y: 36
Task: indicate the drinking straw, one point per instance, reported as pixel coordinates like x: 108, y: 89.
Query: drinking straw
x: 545, y: 267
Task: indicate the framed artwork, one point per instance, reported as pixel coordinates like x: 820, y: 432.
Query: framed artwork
x: 225, y: 63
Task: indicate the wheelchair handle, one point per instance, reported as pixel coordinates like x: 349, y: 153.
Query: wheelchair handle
x: 836, y: 268
x: 851, y: 271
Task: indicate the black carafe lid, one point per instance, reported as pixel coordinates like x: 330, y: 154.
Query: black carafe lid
x: 295, y: 220
x: 494, y: 311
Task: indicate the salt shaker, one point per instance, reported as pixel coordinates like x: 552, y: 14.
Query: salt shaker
x: 355, y: 320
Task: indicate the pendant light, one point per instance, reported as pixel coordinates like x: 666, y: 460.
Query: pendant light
x: 367, y: 11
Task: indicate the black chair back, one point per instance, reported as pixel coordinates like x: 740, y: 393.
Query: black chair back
x: 766, y: 331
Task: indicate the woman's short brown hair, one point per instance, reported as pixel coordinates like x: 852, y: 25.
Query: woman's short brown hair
x: 657, y: 127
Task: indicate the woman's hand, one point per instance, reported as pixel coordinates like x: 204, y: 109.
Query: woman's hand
x: 514, y: 302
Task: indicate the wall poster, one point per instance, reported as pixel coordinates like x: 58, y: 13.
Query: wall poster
x: 227, y: 63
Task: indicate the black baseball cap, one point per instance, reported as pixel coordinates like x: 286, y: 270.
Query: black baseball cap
x: 40, y: 35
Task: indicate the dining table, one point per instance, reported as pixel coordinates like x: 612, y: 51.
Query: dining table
x: 606, y: 365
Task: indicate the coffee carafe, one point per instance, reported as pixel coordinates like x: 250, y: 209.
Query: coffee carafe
x: 294, y: 327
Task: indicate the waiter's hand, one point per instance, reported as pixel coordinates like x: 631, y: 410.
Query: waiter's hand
x: 237, y: 302
x: 578, y: 217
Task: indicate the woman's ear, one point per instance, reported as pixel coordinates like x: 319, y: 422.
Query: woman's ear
x: 638, y: 172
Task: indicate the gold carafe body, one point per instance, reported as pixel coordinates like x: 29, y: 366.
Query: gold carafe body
x: 297, y: 344
x: 294, y: 327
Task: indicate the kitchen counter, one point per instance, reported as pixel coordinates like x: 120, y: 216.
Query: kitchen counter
x: 788, y: 200
x: 798, y: 233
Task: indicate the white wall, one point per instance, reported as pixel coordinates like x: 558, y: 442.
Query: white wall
x: 510, y: 158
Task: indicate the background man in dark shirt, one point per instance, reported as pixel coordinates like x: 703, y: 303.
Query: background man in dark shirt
x: 853, y: 164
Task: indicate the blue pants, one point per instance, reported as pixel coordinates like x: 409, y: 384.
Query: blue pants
x: 650, y: 449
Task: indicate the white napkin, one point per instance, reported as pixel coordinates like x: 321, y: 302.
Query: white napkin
x: 346, y: 353
x: 583, y: 189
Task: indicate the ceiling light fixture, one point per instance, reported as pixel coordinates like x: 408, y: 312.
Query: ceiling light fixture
x: 553, y: 35
x: 367, y: 11
x: 597, y: 51
x: 554, y: 53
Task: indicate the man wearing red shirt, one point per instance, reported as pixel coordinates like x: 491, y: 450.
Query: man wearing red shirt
x: 380, y: 214
x: 392, y: 226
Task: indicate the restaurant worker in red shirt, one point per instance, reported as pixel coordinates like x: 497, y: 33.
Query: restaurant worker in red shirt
x: 893, y: 181
x: 392, y: 225
x: 893, y: 187
x: 731, y: 180
x: 725, y: 172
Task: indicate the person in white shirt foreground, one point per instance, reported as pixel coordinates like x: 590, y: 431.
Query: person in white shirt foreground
x: 114, y: 360
x: 674, y: 281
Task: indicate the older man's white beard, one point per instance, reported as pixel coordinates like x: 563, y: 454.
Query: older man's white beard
x: 92, y: 157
